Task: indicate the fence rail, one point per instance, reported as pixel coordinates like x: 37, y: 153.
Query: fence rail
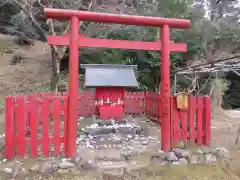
x: 36, y: 123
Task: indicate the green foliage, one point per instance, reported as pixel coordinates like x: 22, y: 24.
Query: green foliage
x: 203, y: 34
x: 7, y: 10
x: 148, y: 62
x: 231, y: 99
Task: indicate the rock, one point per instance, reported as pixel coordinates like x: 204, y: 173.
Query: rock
x: 35, y: 168
x: 182, y: 161
x: 101, y: 130
x: 113, y: 121
x: 210, y: 159
x: 158, y: 155
x: 110, y: 176
x: 181, y: 153
x: 170, y: 156
x: 85, y: 131
x: 77, y: 158
x: 163, y: 163
x: 221, y: 153
x: 136, y: 166
x: 134, y: 172
x: 128, y: 155
x: 106, y: 158
x: 83, y: 164
x: 113, y: 168
x: 93, y: 126
x: 16, y: 170
x: 66, y: 165
x: 48, y: 167
x: 194, y: 159
x: 117, y: 139
x: 109, y: 155
x: 128, y: 129
x: 206, y: 150
x: 24, y: 171
x: 63, y: 159
x: 8, y: 170
x: 75, y: 172
x: 136, y: 138
x: 175, y: 163
x: 144, y: 142
x: 63, y: 171
x: 160, y: 162
x: 81, y: 118
x: 103, y: 123
x: 129, y: 136
x: 121, y: 122
x: 199, y: 151
x: 81, y: 138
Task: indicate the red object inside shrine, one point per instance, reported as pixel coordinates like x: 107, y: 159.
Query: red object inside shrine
x: 109, y: 102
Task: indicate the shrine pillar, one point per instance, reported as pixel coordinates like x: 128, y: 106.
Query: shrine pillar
x: 165, y: 90
x: 70, y: 134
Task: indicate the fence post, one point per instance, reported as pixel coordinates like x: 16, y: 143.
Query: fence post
x: 145, y: 103
x: 9, y: 128
x: 207, y: 120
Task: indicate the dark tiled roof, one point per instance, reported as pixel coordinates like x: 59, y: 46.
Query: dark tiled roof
x: 105, y: 75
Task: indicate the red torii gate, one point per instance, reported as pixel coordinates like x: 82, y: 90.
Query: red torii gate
x: 76, y: 40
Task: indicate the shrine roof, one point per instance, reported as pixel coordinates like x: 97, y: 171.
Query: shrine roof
x: 110, y: 75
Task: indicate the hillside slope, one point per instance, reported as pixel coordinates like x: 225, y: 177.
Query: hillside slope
x: 23, y: 68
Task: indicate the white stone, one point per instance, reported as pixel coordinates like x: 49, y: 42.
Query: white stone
x: 66, y: 165
x: 7, y: 170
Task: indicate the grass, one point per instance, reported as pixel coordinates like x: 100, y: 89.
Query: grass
x: 176, y: 172
x: 218, y: 171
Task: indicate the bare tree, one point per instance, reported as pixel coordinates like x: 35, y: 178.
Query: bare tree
x: 28, y: 12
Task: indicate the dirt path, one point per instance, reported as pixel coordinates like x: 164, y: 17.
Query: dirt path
x: 224, y: 132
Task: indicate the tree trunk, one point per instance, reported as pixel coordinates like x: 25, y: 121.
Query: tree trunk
x: 57, y: 55
x: 55, y: 70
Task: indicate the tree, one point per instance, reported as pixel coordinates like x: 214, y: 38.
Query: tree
x: 27, y: 21
x: 208, y: 38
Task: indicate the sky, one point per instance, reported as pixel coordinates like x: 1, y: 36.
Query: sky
x: 238, y: 4
x: 207, y: 12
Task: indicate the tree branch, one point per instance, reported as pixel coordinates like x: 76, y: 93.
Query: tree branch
x: 207, y: 63
x: 40, y: 30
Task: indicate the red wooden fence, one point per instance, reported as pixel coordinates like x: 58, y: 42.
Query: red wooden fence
x: 134, y: 103
x: 192, y: 125
x: 36, y: 123
x: 33, y: 124
x: 152, y: 105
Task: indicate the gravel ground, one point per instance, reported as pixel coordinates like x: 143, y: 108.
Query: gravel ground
x: 130, y: 150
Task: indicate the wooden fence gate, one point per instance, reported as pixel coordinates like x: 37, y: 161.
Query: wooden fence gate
x: 36, y: 123
x: 193, y: 125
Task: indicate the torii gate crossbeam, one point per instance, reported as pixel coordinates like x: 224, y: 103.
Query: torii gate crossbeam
x: 76, y: 40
